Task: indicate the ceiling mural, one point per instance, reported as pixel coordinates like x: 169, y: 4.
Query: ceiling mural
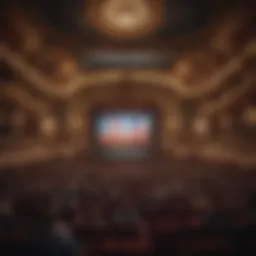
x: 197, y: 62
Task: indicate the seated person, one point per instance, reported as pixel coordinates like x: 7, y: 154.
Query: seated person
x: 61, y: 240
x: 132, y: 235
x: 49, y: 235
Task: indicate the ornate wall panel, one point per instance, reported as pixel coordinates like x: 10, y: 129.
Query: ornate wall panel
x: 27, y: 126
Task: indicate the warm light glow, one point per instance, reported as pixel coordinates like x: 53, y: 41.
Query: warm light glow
x: 124, y: 18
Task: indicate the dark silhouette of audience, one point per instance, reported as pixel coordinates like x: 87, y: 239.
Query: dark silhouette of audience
x: 147, y: 217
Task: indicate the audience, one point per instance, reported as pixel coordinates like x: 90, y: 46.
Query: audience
x: 44, y: 221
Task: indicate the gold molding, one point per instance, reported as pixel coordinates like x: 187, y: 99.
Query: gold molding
x: 15, y: 93
x: 249, y: 116
x: 37, y: 153
x: 226, y: 99
x: 12, y: 91
x: 159, y: 78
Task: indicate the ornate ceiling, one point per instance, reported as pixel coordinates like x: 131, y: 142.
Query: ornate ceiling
x: 125, y: 19
x: 206, y: 91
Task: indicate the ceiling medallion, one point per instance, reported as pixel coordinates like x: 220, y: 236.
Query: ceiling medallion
x: 125, y: 18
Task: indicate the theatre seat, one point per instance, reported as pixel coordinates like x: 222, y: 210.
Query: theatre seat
x: 131, y: 245
x: 208, y: 245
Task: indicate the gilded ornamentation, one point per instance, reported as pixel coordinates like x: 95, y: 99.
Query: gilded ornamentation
x: 202, y: 126
x: 223, y: 39
x: 21, y: 117
x: 93, y: 78
x: 15, y: 93
x: 48, y: 126
x: 27, y: 37
x: 249, y: 116
x: 125, y: 19
x: 209, y: 78
x: 226, y: 99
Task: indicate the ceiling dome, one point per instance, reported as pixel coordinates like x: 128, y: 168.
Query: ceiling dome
x: 127, y: 19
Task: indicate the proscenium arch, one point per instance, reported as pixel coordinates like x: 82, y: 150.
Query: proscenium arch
x: 167, y: 104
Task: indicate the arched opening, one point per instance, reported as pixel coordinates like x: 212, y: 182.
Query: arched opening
x: 117, y: 103
x: 162, y: 103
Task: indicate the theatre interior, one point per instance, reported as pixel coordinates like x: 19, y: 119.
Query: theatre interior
x: 128, y: 127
